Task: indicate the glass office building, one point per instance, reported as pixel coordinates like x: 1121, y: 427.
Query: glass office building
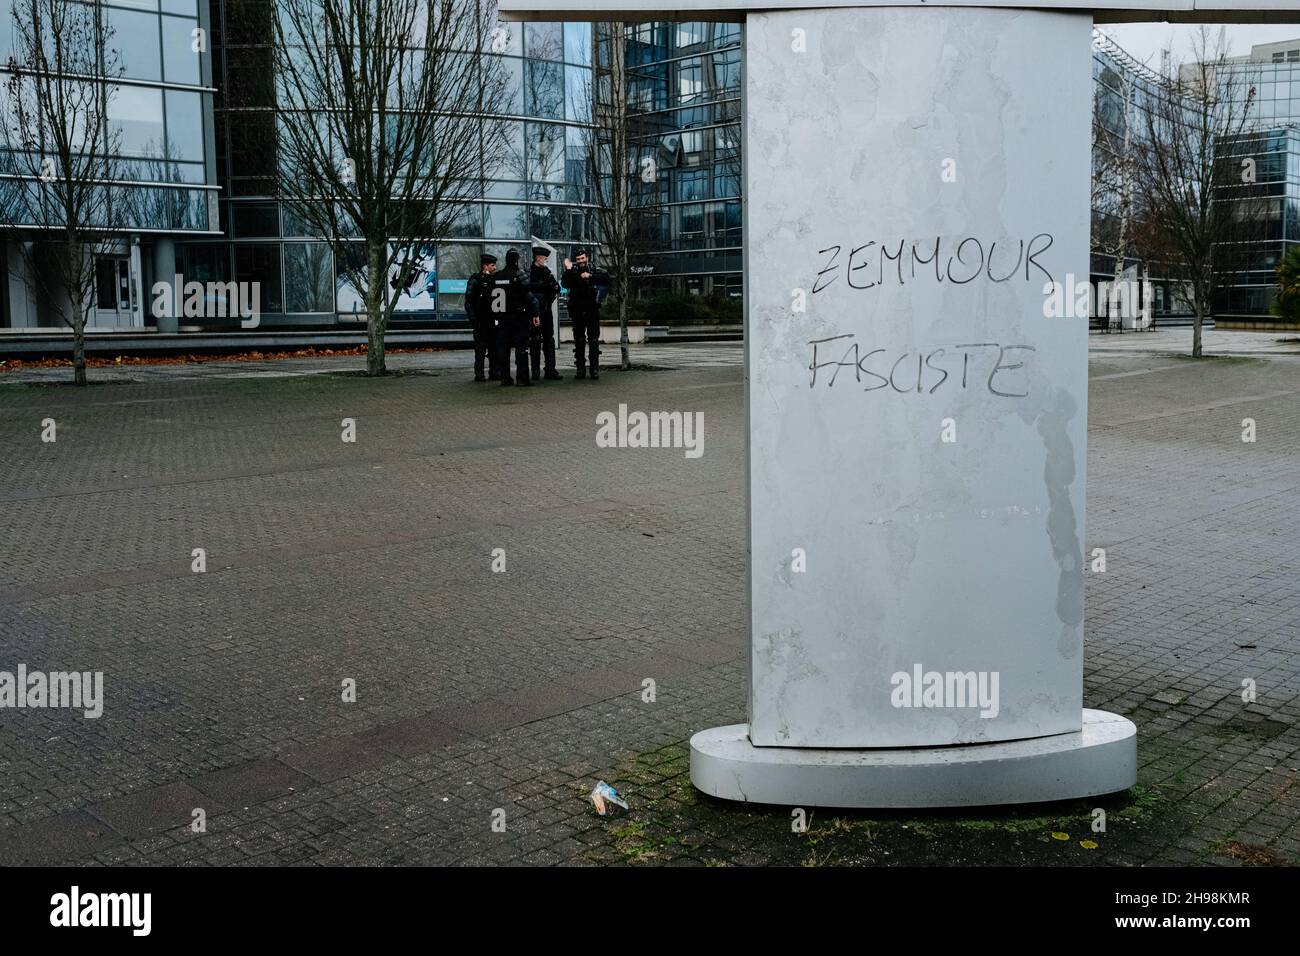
x: 202, y: 121
x: 1267, y: 211
x: 163, y: 173
x: 684, y: 83
x: 1123, y: 90
x: 537, y: 191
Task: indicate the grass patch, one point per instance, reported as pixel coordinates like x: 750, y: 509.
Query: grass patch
x: 1251, y: 854
x: 1262, y: 729
x: 668, y: 818
x: 1218, y: 359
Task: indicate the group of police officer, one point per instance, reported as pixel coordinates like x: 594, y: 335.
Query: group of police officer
x: 509, y: 310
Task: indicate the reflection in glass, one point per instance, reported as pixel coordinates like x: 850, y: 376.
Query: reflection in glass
x: 510, y: 163
x: 505, y: 38
x: 261, y: 264
x: 468, y: 223
x: 505, y: 221
x: 180, y: 60
x: 308, y: 277
x: 184, y: 125
x: 545, y: 142
x: 135, y: 113
x: 497, y: 189
x: 577, y: 43
x: 456, y: 263
x: 577, y: 94
x: 544, y: 94
x: 543, y: 41
x: 513, y: 101
x: 135, y: 37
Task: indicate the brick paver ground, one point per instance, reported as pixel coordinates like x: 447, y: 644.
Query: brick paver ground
x: 479, y: 691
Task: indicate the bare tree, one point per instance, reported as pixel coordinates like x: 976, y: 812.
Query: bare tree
x: 1113, y: 170
x: 1183, y: 178
x: 60, y: 147
x: 612, y: 161
x: 384, y: 127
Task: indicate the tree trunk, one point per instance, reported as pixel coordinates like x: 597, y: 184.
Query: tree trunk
x: 1196, y: 326
x: 79, y: 349
x: 76, y: 262
x: 376, y: 320
x: 622, y: 325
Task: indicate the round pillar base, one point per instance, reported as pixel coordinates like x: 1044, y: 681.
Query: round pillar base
x: 1100, y: 758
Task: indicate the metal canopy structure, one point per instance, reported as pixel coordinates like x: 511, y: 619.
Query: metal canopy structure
x: 1103, y: 11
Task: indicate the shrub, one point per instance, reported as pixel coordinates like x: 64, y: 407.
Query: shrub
x: 687, y: 310
x: 1286, y: 305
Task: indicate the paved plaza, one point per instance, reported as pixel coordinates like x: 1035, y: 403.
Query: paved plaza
x: 488, y: 703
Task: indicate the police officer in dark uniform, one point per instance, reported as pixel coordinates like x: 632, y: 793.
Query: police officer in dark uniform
x: 478, y: 308
x: 545, y: 290
x: 587, y: 288
x: 512, y: 308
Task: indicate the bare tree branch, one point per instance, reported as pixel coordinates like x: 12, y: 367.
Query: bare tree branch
x: 384, y: 111
x: 1190, y: 188
x: 61, y: 147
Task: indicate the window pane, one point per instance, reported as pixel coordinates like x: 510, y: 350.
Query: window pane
x: 308, y: 277
x: 543, y: 41
x: 505, y: 221
x: 726, y: 71
x: 261, y: 264
x: 690, y: 33
x: 505, y: 190
x: 180, y: 61
x: 184, y: 125
x: 135, y: 37
x: 690, y: 80
x: 577, y: 94
x: 456, y: 263
x: 577, y: 43
x: 504, y: 38
x: 468, y: 223
x: 6, y: 38
x: 207, y: 262
x: 135, y: 113
x: 511, y: 163
x: 544, y: 94
x: 513, y: 101
x: 256, y: 219
x: 545, y: 152
x: 252, y: 144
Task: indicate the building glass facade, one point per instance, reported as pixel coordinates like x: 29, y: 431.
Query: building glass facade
x: 684, y: 84
x: 163, y: 174
x: 1267, y: 211
x: 538, y: 190
x: 1123, y: 91
x: 197, y: 165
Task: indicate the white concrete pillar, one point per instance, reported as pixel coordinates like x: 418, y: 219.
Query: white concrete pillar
x: 164, y: 270
x: 22, y: 309
x: 918, y: 428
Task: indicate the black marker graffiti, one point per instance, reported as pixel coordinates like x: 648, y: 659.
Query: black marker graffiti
x: 872, y: 264
x: 914, y: 373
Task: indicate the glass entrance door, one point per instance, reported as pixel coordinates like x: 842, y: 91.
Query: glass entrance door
x: 113, y: 305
